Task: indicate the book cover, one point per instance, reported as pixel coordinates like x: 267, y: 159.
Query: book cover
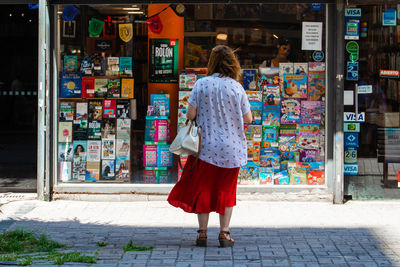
x: 249, y: 174
x: 149, y: 177
x: 271, y: 95
x: 149, y: 155
x: 183, y: 105
x: 80, y: 147
x: 123, y: 108
x: 65, y: 152
x: 286, y: 130
x: 316, y: 177
x: 287, y: 143
x: 250, y: 79
x: 65, y: 132
x: 123, y: 149
x: 109, y: 108
x: 300, y: 68
x: 271, y: 115
x: 291, y: 111
x: 256, y: 111
x: 80, y: 130
x: 81, y: 111
x: 87, y: 66
x: 254, y: 96
x: 163, y: 176
x: 286, y: 68
x: 253, y: 132
x: 282, y: 178
x: 114, y: 88
x: 316, y: 66
x: 70, y: 63
x: 160, y: 102
x: 70, y: 85
x: 100, y: 87
x: 95, y: 110
x: 64, y: 171
x: 294, y: 86
x: 266, y: 178
x: 88, y: 87
x: 307, y: 130
x: 124, y: 129
x: 270, y: 159
x: 125, y: 66
x: 187, y: 80
x: 149, y: 130
x: 67, y: 111
x: 308, y: 142
x: 309, y: 155
x: 127, y: 88
x: 122, y: 169
x: 316, y: 86
x: 250, y: 151
x: 93, y: 151
x: 268, y: 76
x: 298, y: 176
x: 256, y: 151
x: 290, y: 156
x: 161, y: 130
x: 311, y: 112
x: 112, y: 66
x: 107, y: 170
x: 164, y: 156
x: 79, y: 170
x: 93, y: 171
x: 108, y: 149
x: 269, y: 136
x: 94, y: 130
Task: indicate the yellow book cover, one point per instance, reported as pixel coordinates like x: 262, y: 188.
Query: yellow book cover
x: 127, y: 88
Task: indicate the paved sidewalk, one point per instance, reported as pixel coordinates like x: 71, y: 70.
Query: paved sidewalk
x: 266, y: 233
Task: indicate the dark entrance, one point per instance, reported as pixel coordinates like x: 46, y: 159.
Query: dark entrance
x: 18, y: 97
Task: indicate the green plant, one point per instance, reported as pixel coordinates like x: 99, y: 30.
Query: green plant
x: 61, y: 258
x: 102, y: 243
x: 132, y: 247
x: 8, y: 257
x: 26, y: 261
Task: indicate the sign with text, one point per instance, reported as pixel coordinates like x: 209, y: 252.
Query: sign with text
x: 352, y: 71
x: 354, y: 13
x: 311, y: 36
x: 353, y: 117
x: 351, y: 139
x: 389, y: 73
x: 351, y: 169
x: 352, y: 29
x: 389, y: 17
x: 364, y: 89
x: 163, y: 63
x: 350, y: 155
x: 351, y: 127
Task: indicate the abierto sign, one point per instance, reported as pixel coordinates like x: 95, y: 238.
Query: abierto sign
x: 389, y: 73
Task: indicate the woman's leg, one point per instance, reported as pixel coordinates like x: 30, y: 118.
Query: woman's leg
x: 203, y: 220
x: 225, y: 219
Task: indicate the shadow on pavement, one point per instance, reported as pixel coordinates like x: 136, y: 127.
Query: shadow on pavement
x: 174, y: 246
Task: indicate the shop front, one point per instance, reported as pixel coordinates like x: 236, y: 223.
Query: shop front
x: 371, y: 117
x: 120, y: 75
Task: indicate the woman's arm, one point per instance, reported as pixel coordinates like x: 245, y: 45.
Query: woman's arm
x: 247, y: 118
x: 191, y: 113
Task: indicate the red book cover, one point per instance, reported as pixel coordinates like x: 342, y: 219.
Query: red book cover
x: 87, y: 87
x: 109, y: 108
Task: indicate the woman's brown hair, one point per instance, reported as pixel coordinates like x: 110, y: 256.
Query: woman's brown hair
x: 223, y: 61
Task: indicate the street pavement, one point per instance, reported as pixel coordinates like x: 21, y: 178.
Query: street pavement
x: 266, y: 233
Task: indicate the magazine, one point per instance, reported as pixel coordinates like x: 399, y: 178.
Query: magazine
x: 290, y: 109
x: 316, y: 86
x: 249, y: 174
x: 294, y: 86
x: 149, y: 155
x: 254, y: 96
x: 271, y: 115
x: 107, y: 170
x: 123, y: 108
x: 250, y: 79
x: 253, y: 132
x: 158, y: 101
x: 80, y: 148
x: 187, y: 81
x: 257, y: 112
x: 94, y: 130
x: 269, y: 136
x: 93, y: 151
x: 124, y: 129
x: 108, y: 148
x: 164, y: 156
x: 161, y: 130
x: 270, y: 158
x: 311, y: 112
x: 95, y: 110
x: 67, y: 111
x: 287, y: 143
x: 271, y: 95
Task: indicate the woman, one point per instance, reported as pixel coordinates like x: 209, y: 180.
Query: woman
x: 220, y: 106
x: 284, y: 49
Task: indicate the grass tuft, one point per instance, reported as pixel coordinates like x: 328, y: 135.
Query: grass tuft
x: 132, y: 247
x: 102, y: 243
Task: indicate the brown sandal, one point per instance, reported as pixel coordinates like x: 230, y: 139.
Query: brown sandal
x: 225, y: 239
x: 201, y: 240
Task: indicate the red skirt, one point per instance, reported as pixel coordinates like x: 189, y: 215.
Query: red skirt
x: 205, y: 188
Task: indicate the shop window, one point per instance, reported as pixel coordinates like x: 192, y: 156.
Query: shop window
x: 109, y: 133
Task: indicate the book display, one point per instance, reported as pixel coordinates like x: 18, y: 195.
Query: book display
x: 94, y: 119
x: 157, y: 159
x: 284, y: 140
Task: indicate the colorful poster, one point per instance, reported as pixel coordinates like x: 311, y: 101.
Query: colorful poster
x: 290, y: 109
x: 271, y: 116
x: 164, y: 59
x: 271, y: 94
x: 294, y: 86
x: 311, y: 112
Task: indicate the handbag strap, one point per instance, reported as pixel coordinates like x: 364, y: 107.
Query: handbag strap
x: 199, y: 148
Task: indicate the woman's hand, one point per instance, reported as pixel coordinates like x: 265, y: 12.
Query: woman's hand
x: 191, y: 113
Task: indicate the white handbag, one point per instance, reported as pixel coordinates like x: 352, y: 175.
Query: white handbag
x: 187, y: 141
